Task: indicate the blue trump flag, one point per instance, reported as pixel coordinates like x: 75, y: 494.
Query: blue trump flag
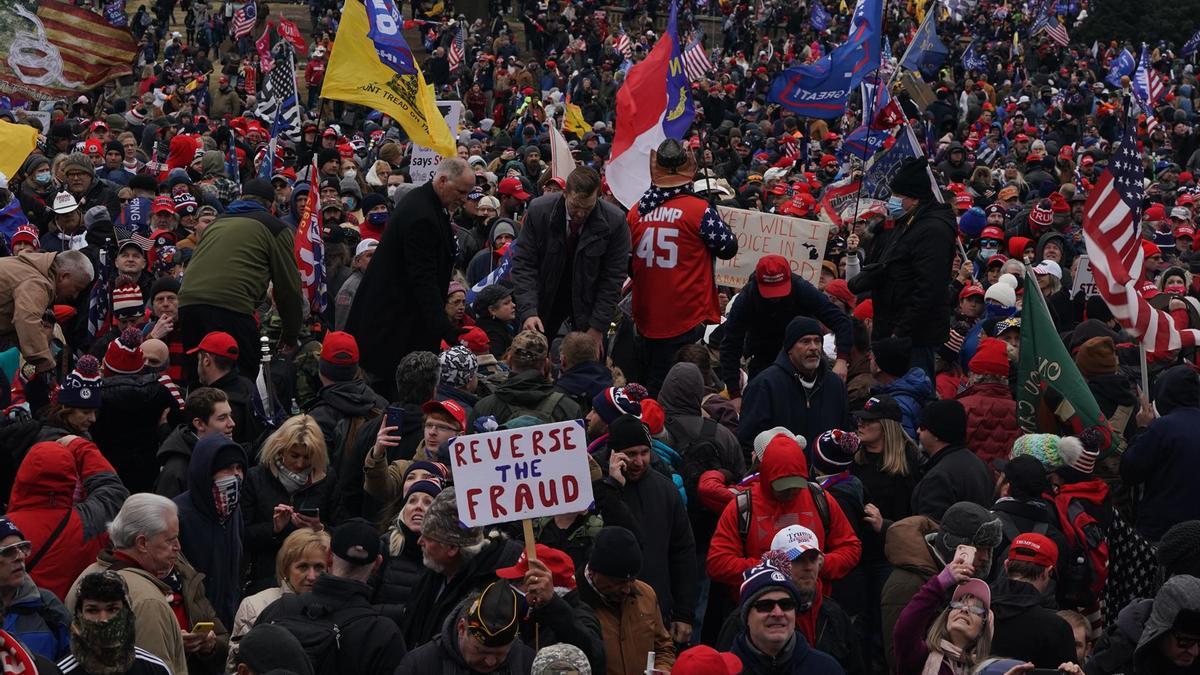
x: 1123, y: 65
x: 973, y: 60
x: 877, y: 178
x: 821, y: 89
x: 927, y: 52
x: 386, y: 32
x: 1191, y: 45
x: 819, y: 18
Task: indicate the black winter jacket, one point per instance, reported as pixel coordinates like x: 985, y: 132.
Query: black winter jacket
x: 398, y: 576
x: 260, y: 493
x: 953, y: 475
x: 1028, y: 629
x: 174, y: 456
x: 775, y: 397
x: 340, y: 402
x: 442, y: 655
x: 243, y: 397
x: 566, y: 619
x: 127, y: 431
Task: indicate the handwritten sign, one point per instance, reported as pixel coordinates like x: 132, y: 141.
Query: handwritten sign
x: 517, y: 474
x: 1085, y: 281
x: 759, y: 234
x: 424, y: 161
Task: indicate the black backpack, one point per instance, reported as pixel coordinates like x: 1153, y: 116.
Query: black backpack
x: 699, y: 453
x: 320, y: 632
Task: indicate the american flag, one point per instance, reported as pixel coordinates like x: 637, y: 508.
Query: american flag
x: 278, y: 101
x: 1048, y: 21
x: 244, y: 19
x: 458, y: 48
x: 624, y: 45
x: 695, y: 62
x: 98, y: 299
x: 309, y: 249
x: 1114, y: 244
x: 1148, y: 85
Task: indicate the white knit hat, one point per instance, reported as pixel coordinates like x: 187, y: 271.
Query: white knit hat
x: 1001, y: 293
x: 764, y: 437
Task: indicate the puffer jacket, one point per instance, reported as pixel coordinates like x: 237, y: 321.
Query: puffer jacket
x: 398, y: 576
x: 37, y: 618
x: 911, y: 393
x: 991, y: 420
x: 45, y: 492
x: 127, y: 429
x: 908, y: 548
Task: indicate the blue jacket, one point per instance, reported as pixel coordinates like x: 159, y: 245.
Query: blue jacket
x: 1163, y: 459
x: 775, y: 397
x: 799, y: 659
x: 213, y: 547
x: 911, y: 393
x: 39, y: 621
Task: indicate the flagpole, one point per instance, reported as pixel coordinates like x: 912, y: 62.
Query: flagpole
x: 1145, y: 369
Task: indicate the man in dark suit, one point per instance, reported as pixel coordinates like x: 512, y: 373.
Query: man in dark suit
x: 400, y: 304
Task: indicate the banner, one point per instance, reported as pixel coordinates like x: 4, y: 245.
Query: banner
x: 760, y: 234
x: 18, y: 141
x: 1084, y: 279
x: 424, y: 160
x: 531, y: 472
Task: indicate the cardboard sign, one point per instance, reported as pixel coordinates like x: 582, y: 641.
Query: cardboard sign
x: 1084, y: 279
x: 760, y: 234
x: 424, y: 161
x: 517, y: 474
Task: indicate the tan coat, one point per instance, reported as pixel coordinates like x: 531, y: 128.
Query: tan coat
x: 633, y: 632
x: 26, y: 290
x: 157, y: 629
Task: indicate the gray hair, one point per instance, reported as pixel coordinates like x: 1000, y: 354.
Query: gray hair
x: 452, y: 168
x: 76, y: 264
x: 143, y: 513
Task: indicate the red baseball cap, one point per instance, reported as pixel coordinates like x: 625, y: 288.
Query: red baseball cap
x: 163, y: 204
x: 969, y: 291
x: 1185, y: 231
x: 475, y: 339
x: 340, y: 349
x: 218, y: 343
x: 992, y: 232
x: 451, y: 408
x: 562, y: 568
x: 774, y: 276
x: 511, y: 187
x: 1034, y: 548
x: 964, y: 200
x: 704, y: 660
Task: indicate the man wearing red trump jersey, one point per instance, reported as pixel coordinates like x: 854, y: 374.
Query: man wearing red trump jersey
x: 675, y: 235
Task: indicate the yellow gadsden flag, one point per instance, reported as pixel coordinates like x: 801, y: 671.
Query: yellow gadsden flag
x: 573, y: 121
x: 18, y: 140
x: 356, y: 75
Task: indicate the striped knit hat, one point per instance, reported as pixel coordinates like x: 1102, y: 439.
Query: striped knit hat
x: 124, y: 355
x: 127, y: 298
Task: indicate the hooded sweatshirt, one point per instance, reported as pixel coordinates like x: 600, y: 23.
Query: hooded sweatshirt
x: 1179, y: 594
x: 213, y: 547
x: 681, y: 397
x: 1026, y: 626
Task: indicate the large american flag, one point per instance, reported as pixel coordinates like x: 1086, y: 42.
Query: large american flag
x: 458, y: 48
x: 695, y: 62
x: 624, y: 45
x: 278, y: 101
x: 244, y: 19
x: 309, y: 249
x: 1148, y: 85
x: 1048, y: 21
x: 1111, y: 230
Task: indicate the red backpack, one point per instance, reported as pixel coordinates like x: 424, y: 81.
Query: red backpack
x: 1082, y: 582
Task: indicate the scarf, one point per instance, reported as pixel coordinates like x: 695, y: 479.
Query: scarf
x: 104, y: 647
x: 933, y: 662
x: 292, y: 481
x: 226, y: 492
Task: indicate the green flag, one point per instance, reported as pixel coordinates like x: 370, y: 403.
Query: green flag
x: 1046, y: 364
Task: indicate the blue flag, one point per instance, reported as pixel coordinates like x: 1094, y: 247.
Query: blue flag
x: 877, y: 178
x: 499, y: 273
x: 973, y: 60
x: 863, y: 142
x: 820, y: 17
x: 821, y: 89
x: 386, y: 32
x: 1191, y: 45
x: 927, y: 52
x: 1124, y: 64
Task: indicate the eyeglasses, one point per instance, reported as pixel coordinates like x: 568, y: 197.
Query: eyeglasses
x: 440, y: 427
x: 765, y: 606
x: 23, y: 547
x: 977, y: 611
x: 1184, y: 642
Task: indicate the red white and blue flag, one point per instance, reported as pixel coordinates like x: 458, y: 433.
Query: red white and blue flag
x: 624, y: 45
x: 310, y: 249
x: 244, y: 19
x: 1047, y: 20
x: 695, y: 61
x: 654, y: 104
x: 458, y: 48
x: 1148, y: 87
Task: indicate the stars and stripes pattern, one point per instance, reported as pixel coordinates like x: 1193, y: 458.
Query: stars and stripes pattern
x: 695, y: 62
x: 244, y: 19
x: 279, y: 101
x: 1048, y: 21
x: 458, y: 48
x: 309, y: 249
x: 624, y: 44
x: 1111, y: 232
x: 1148, y: 85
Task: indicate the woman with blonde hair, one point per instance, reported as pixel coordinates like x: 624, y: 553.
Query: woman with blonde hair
x: 302, y: 558
x: 402, y: 566
x: 933, y: 641
x: 292, y: 487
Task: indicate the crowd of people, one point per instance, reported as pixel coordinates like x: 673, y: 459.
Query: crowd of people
x: 215, y: 462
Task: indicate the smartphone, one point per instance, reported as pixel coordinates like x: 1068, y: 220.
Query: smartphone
x: 203, y: 627
x: 965, y: 553
x: 393, y: 416
x: 310, y: 512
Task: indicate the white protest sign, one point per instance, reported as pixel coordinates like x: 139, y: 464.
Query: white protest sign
x: 1084, y: 279
x: 759, y: 234
x: 424, y: 161
x: 516, y: 474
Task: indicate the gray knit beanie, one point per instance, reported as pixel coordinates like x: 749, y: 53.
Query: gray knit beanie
x: 443, y: 525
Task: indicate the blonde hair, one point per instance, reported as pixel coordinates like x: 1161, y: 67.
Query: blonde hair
x: 300, y: 430
x: 296, y: 546
x: 979, y: 650
x: 895, y: 443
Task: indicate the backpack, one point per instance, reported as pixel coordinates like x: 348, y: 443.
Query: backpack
x: 543, y: 412
x: 820, y: 501
x: 699, y: 454
x: 320, y: 631
x: 1082, y: 582
x: 345, y: 432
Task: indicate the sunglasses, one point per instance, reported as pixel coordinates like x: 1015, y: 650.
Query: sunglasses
x: 1184, y: 642
x: 765, y: 606
x: 23, y: 547
x: 977, y: 611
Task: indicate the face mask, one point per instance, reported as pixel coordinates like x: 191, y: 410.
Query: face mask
x: 349, y: 173
x: 391, y: 191
x: 895, y: 207
x: 226, y: 492
x: 104, y: 647
x: 986, y: 253
x: 348, y: 203
x: 378, y: 218
x: 42, y: 177
x: 1175, y: 288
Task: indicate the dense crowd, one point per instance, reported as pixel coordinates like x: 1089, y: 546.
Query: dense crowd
x: 208, y: 467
